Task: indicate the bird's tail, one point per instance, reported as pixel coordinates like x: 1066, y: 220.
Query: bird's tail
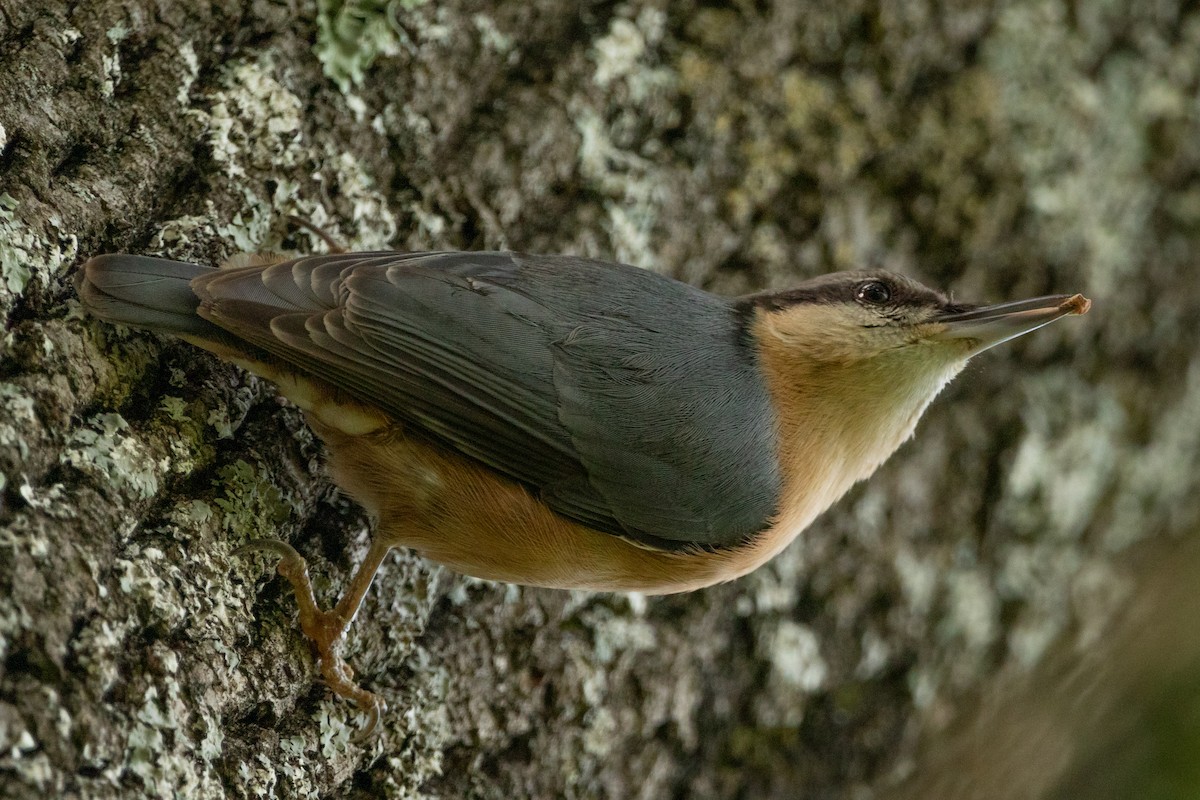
x: 145, y: 292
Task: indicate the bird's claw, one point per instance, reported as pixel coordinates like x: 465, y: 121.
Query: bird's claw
x: 375, y: 708
x: 325, y: 630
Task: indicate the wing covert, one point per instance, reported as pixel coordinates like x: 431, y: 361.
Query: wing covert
x: 605, y: 388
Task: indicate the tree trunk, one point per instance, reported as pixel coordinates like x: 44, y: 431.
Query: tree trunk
x: 1005, y: 610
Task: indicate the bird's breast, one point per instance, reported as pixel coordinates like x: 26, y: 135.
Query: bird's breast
x: 457, y: 512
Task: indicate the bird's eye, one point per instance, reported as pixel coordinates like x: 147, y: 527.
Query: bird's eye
x: 873, y: 293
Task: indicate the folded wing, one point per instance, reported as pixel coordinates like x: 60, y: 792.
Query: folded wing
x: 628, y: 401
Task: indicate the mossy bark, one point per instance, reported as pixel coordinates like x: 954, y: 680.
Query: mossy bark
x: 1003, y: 611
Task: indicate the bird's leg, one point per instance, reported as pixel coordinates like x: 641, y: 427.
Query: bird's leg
x: 327, y: 629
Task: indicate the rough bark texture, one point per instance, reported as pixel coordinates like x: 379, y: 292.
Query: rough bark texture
x: 1006, y: 610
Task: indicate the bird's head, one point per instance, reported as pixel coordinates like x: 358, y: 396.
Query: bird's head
x: 850, y: 318
x: 873, y: 348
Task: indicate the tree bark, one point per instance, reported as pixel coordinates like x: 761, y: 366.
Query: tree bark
x: 1005, y: 610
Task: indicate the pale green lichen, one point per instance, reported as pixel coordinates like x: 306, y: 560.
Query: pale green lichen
x: 20, y: 416
x: 615, y: 635
x: 876, y: 655
x: 104, y: 448
x: 230, y: 658
x: 24, y: 756
x: 253, y: 229
x: 68, y: 36
x: 191, y: 72
x: 1086, y: 134
x: 1099, y: 591
x: 334, y: 734
x: 182, y: 434
x: 212, y: 741
x: 151, y: 582
x: 24, y: 255
x: 923, y: 686
x: 972, y: 611
x: 98, y: 649
x: 627, y: 68
x: 794, y: 653
x: 1030, y: 637
x: 258, y: 779
x: 629, y: 181
x: 294, y: 768
x: 13, y: 619
x: 254, y: 128
x: 182, y: 231
x: 1067, y: 459
x: 191, y: 513
x: 600, y: 732
x: 174, y: 407
x: 1075, y: 450
x: 117, y: 33
x: 111, y: 62
x: 796, y: 671
x: 175, y: 725
x: 218, y: 418
x: 617, y: 53
x: 254, y: 121
x: 146, y: 753
x: 1161, y: 474
x: 47, y: 499
x: 251, y: 504
x: 14, y: 271
x: 628, y: 53
x: 370, y: 212
x: 490, y: 36
x: 352, y: 34
x: 919, y: 578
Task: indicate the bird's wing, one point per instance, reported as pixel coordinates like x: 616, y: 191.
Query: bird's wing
x: 604, y: 388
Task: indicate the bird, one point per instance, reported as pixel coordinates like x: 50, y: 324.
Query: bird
x: 565, y: 422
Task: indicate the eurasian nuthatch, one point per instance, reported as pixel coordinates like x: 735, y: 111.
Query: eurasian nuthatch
x: 564, y: 422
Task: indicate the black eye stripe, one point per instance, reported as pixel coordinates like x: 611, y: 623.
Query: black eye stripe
x: 905, y: 296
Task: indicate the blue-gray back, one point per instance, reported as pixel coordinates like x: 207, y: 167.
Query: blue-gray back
x: 629, y: 401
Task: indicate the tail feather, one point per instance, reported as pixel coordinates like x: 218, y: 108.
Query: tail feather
x: 145, y: 292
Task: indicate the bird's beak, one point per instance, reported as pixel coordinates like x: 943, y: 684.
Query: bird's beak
x: 988, y: 326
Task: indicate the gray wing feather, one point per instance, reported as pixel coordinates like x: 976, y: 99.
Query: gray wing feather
x: 626, y: 399
x: 672, y: 422
x: 147, y: 292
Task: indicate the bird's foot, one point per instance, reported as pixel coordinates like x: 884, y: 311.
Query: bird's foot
x: 326, y: 630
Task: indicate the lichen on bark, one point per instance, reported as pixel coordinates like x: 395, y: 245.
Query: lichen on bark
x: 995, y: 614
